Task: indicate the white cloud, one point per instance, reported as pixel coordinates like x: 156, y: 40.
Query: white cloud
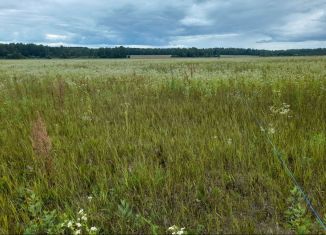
x: 55, y: 37
x: 198, y: 15
x: 301, y: 24
x: 195, y: 21
x: 205, y: 40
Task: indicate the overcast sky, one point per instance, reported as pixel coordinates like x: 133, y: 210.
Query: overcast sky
x: 269, y: 24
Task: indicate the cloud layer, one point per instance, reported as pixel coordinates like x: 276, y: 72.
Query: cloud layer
x: 265, y: 24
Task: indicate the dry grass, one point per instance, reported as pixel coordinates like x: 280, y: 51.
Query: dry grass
x: 41, y: 143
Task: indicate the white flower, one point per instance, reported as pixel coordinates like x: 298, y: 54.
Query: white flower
x: 172, y: 228
x: 86, y: 118
x: 229, y: 141
x: 175, y: 230
x: 271, y: 130
x: 84, y: 217
x: 78, y: 225
x: 81, y: 211
x: 262, y: 129
x: 90, y: 198
x: 69, y: 225
x: 93, y: 229
x: 284, y: 111
x: 77, y: 232
x: 286, y: 105
x: 273, y: 109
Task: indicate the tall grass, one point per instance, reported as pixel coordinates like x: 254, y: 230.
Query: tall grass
x: 168, y: 140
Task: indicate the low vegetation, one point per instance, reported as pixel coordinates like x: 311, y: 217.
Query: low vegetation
x: 165, y: 146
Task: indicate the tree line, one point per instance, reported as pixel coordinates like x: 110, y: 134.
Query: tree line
x: 21, y: 51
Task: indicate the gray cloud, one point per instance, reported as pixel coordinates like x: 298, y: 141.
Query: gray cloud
x: 274, y: 24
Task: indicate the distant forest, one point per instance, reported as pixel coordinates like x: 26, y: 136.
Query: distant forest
x: 22, y: 51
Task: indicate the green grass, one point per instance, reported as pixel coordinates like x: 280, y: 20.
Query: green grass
x: 174, y: 139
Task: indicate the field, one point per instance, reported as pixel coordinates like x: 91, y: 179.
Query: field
x: 142, y: 145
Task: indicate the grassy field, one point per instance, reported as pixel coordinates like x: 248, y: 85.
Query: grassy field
x: 142, y: 145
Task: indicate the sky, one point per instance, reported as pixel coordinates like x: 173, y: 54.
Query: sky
x: 260, y: 24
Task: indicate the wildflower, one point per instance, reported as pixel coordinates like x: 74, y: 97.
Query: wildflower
x: 77, y: 232
x: 93, y: 229
x: 273, y: 109
x: 284, y: 111
x: 84, y: 218
x: 271, y: 130
x: 61, y: 225
x: 69, y: 225
x: 175, y: 230
x: 78, y: 225
x: 172, y: 228
x: 86, y: 117
x: 89, y: 198
x: 180, y: 232
x: 81, y: 211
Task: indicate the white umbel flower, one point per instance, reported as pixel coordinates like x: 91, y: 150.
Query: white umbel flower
x: 77, y: 232
x: 69, y: 225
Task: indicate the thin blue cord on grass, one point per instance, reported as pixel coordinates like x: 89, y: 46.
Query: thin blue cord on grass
x: 288, y: 171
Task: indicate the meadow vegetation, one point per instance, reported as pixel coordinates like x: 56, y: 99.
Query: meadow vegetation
x: 162, y: 146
